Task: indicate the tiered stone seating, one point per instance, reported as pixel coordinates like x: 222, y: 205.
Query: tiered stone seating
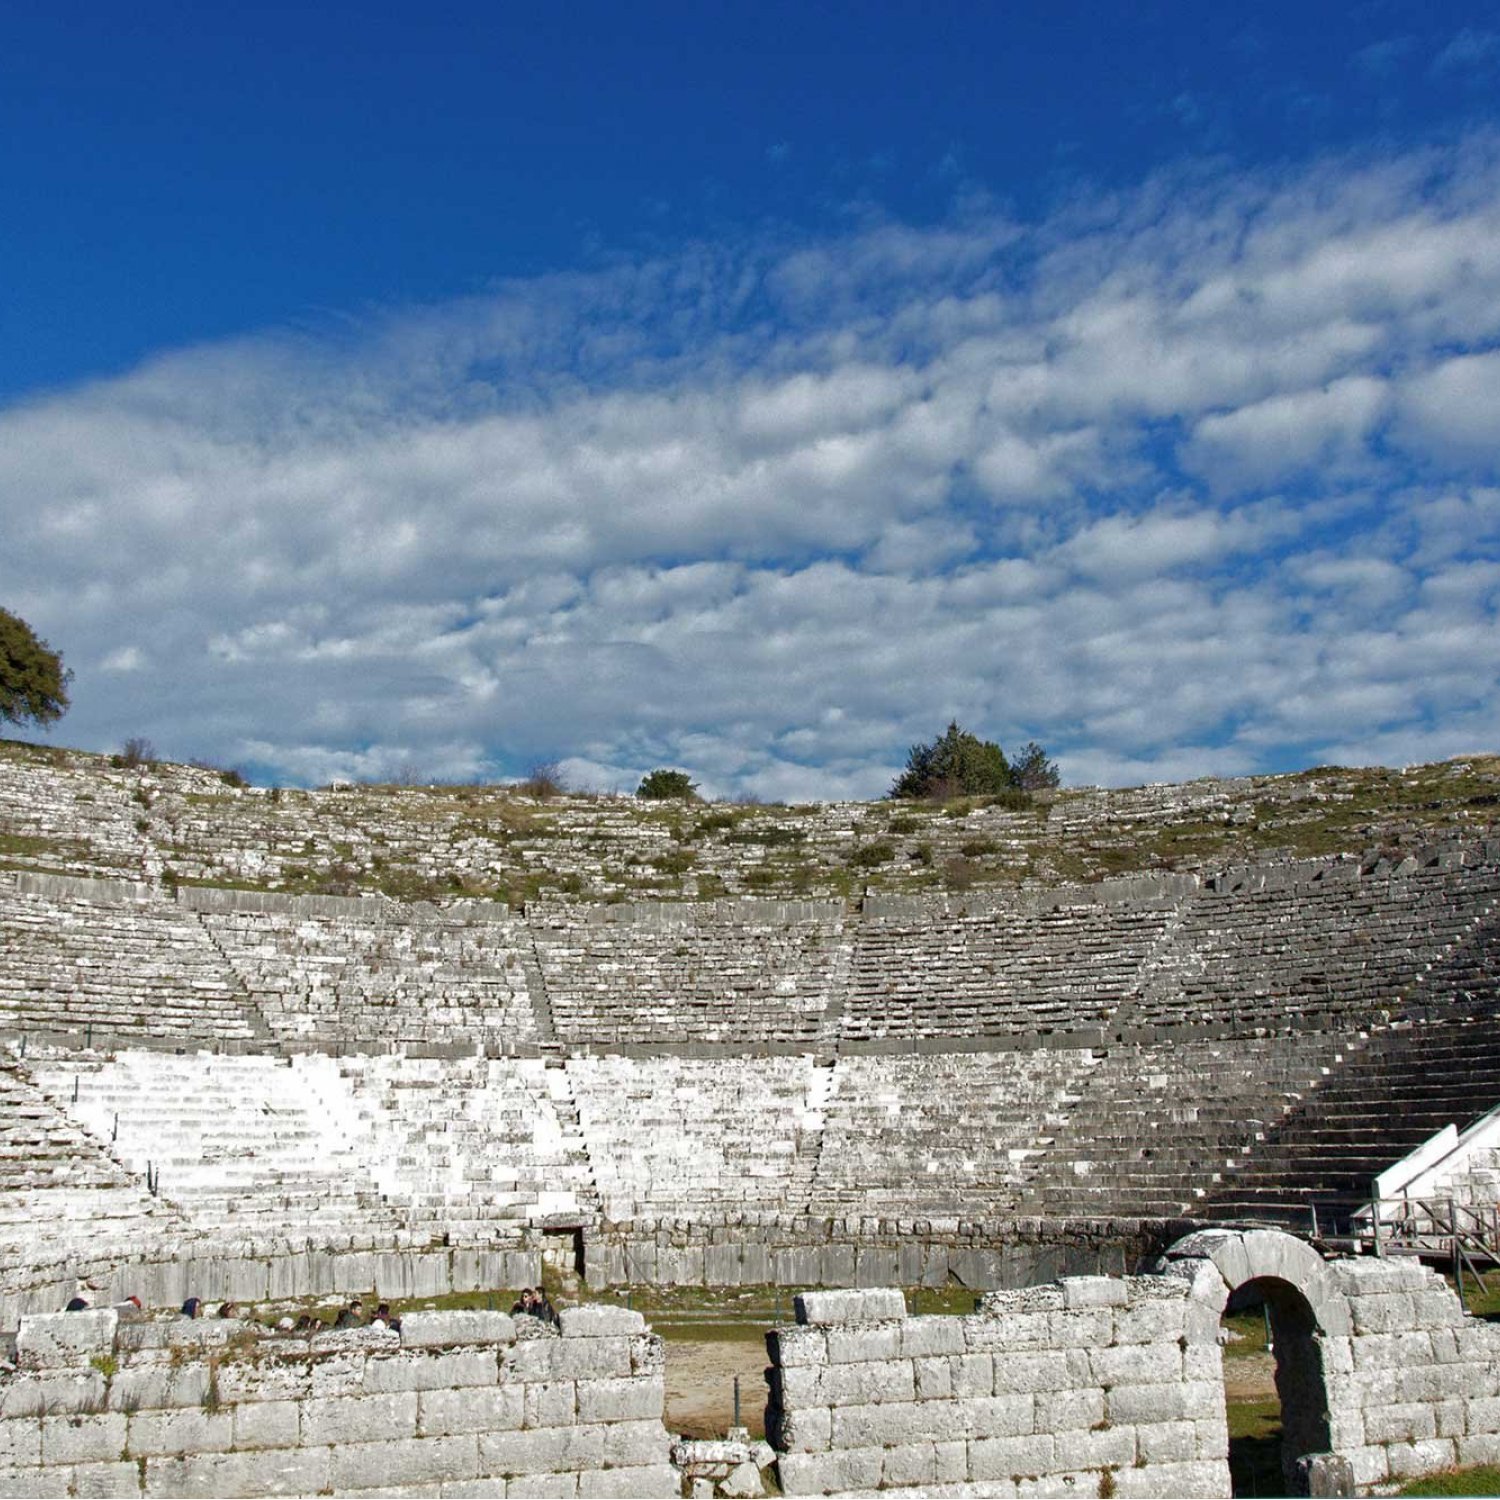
x: 740, y: 980
x: 255, y: 1146
x: 59, y: 1187
x: 1150, y: 1129
x: 123, y: 968
x: 1329, y: 948
x: 471, y: 1146
x: 678, y: 1137
x: 77, y: 819
x: 41, y: 1148
x: 1384, y: 1102
x: 947, y: 1133
x: 385, y: 978
x: 1002, y: 973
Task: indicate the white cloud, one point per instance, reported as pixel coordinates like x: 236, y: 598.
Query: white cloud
x: 1188, y: 481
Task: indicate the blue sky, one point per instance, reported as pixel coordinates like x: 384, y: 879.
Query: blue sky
x: 436, y: 390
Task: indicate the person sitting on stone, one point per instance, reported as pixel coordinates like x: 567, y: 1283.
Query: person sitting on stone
x: 351, y: 1316
x: 383, y: 1318
x: 77, y: 1304
x: 306, y: 1324
x: 523, y: 1304
x: 541, y: 1307
x: 192, y: 1307
x: 130, y: 1310
x: 228, y: 1310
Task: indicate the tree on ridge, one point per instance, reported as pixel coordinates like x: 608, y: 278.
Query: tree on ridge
x: 33, y: 680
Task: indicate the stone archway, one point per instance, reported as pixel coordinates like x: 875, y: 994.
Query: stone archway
x: 1306, y: 1309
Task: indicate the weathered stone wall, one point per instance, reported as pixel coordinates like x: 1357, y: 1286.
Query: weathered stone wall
x: 806, y: 1251
x: 166, y: 1272
x: 464, y: 1403
x: 1098, y: 1385
x: 1112, y: 1386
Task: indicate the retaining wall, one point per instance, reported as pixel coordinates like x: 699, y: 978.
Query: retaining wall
x: 1098, y: 1385
x: 462, y: 1403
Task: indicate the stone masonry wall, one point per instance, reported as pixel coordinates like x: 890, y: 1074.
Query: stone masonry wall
x: 1090, y: 1386
x: 1095, y: 1385
x: 459, y: 1403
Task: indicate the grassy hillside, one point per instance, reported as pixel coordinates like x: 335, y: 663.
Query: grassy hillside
x: 67, y: 810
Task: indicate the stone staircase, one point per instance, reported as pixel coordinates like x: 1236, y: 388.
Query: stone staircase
x: 1388, y: 1097
x: 1153, y: 1128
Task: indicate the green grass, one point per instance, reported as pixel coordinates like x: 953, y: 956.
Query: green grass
x: 1251, y: 1327
x: 1484, y: 1479
x: 1255, y: 1448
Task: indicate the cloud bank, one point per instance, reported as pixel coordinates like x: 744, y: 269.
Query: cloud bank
x: 1201, y: 478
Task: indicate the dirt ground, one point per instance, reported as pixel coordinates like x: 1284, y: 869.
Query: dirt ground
x: 1250, y: 1377
x: 700, y: 1386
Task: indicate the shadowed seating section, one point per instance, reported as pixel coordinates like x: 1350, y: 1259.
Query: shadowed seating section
x: 726, y: 976
x: 377, y: 976
x: 122, y: 967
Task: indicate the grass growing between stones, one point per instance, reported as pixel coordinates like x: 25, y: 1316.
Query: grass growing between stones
x: 1484, y: 1479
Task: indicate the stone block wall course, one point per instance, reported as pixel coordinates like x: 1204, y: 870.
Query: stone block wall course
x: 457, y: 1403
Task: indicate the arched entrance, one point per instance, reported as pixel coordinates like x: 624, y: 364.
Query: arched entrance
x: 1304, y: 1308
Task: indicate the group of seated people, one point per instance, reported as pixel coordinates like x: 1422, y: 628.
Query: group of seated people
x: 533, y: 1303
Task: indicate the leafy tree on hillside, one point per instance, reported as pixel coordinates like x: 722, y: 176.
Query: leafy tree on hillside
x: 663, y: 785
x: 960, y: 764
x: 1034, y: 770
x: 33, y: 680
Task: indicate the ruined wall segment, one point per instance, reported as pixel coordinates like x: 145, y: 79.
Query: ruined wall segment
x: 1112, y: 1386
x: 457, y: 1403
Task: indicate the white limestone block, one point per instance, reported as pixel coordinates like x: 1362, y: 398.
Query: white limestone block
x: 932, y: 1335
x: 48, y: 1394
x: 862, y: 1384
x: 546, y: 1450
x: 807, y: 1430
x: 20, y: 1445
x: 645, y: 1482
x: 359, y: 1419
x: 1093, y: 1291
x: 631, y: 1398
x: 266, y: 1424
x: 594, y: 1320
x: 1136, y: 1364
x: 856, y: 1343
x: 430, y: 1330
x: 409, y: 1461
x: 1006, y: 1457
x: 442, y: 1413
x: 1040, y: 1371
x: 866, y: 1305
x: 1427, y: 1456
x: 1070, y: 1410
x: 830, y: 1473
x: 1166, y: 1442
x: 105, y: 1481
x: 790, y: 1347
x: 432, y: 1372
x: 83, y: 1439
x: 194, y: 1430
x: 549, y: 1403
x: 50, y: 1341
x: 542, y: 1486
x: 1206, y: 1478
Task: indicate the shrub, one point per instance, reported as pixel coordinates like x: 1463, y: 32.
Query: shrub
x: 873, y: 854
x: 663, y: 785
x: 543, y: 780
x: 135, y: 752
